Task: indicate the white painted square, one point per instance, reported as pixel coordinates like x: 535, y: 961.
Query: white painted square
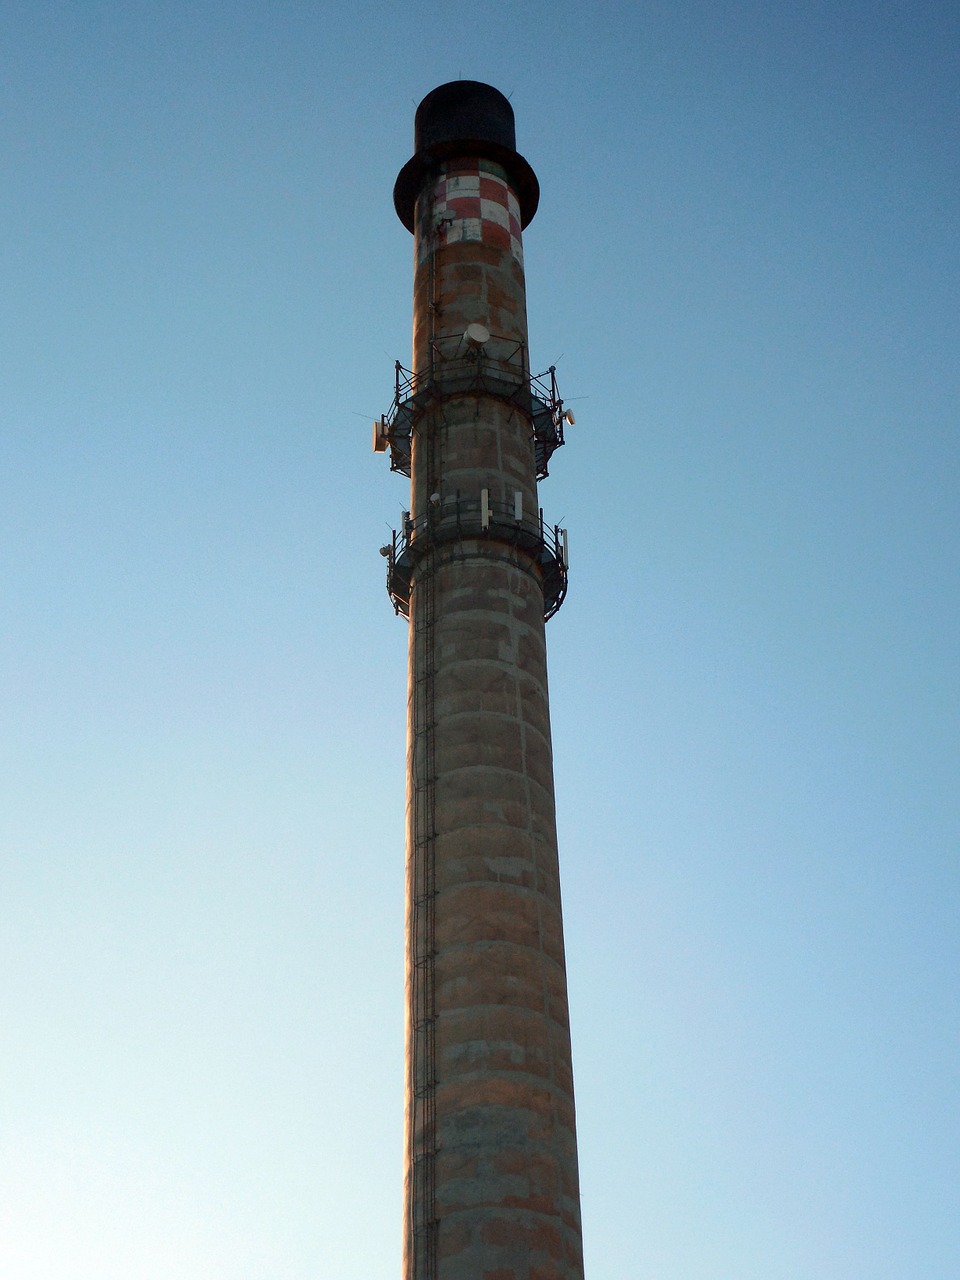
x: 463, y: 229
x: 494, y: 212
x: 463, y: 185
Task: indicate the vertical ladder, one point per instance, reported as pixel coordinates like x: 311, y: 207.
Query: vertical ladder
x: 423, y: 1130
x: 423, y: 1134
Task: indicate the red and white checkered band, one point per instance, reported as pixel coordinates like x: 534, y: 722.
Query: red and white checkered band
x: 470, y: 204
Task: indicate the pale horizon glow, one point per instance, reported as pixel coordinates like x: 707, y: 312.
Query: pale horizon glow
x: 745, y: 269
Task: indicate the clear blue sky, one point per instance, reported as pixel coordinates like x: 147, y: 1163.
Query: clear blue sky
x: 745, y: 267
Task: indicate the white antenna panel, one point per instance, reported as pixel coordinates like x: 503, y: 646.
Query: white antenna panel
x: 478, y: 335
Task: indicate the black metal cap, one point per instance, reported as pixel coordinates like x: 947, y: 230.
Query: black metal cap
x: 459, y: 119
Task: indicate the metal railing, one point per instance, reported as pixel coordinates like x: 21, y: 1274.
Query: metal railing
x: 458, y: 520
x: 457, y: 368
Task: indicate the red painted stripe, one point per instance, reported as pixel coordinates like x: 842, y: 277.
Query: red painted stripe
x: 464, y: 206
x: 493, y: 189
x: 494, y: 234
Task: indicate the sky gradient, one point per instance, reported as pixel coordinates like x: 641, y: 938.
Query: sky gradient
x: 745, y: 269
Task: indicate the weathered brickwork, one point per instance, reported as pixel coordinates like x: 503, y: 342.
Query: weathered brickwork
x: 491, y: 1181
x: 472, y: 201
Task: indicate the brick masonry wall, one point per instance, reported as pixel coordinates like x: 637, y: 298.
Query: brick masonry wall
x: 505, y: 1189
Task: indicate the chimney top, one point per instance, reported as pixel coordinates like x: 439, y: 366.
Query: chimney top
x: 459, y: 119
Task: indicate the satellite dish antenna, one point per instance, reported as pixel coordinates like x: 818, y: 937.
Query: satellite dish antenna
x: 478, y: 335
x: 569, y: 418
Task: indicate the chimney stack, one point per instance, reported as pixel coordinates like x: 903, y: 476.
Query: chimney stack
x: 491, y: 1187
